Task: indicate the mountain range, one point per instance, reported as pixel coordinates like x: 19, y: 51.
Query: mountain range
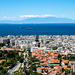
x: 41, y: 20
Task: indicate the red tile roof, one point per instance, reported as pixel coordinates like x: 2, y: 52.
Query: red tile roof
x: 2, y: 60
x: 11, y: 49
x: 54, y: 61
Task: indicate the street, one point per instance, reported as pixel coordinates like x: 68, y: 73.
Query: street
x: 13, y: 69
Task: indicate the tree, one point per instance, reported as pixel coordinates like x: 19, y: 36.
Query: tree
x: 72, y: 58
x: 65, y: 58
x: 5, y: 51
x: 59, y: 57
x: 62, y: 69
x: 18, y: 73
x: 36, y: 73
x: 33, y: 59
x: 28, y: 72
x: 1, y: 67
x: 33, y: 67
x: 2, y: 62
x: 11, y: 56
x: 2, y: 44
x: 5, y: 65
x: 52, y: 66
x: 58, y: 74
x: 67, y: 71
x: 4, y: 70
x: 17, y: 57
x: 21, y: 60
x: 0, y: 53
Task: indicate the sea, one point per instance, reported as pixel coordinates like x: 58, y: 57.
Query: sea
x: 37, y: 29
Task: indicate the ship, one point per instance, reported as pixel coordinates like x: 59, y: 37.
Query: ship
x: 21, y: 27
x: 30, y: 28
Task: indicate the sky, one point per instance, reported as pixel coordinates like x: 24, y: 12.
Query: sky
x: 22, y: 9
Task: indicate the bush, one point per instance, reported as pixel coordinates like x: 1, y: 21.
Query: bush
x: 18, y: 73
x: 5, y: 65
x: 58, y: 74
x: 67, y: 71
x: 52, y: 66
x: 4, y: 71
x: 1, y: 67
x: 21, y: 60
x: 33, y: 67
x: 0, y: 54
x: 2, y: 44
x: 36, y: 74
x: 3, y: 62
x: 2, y: 58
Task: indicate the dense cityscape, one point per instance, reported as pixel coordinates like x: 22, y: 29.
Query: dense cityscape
x: 45, y: 55
x: 37, y: 37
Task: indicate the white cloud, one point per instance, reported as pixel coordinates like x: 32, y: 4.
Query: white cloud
x: 8, y: 18
x: 11, y: 17
x: 22, y: 17
x: 63, y: 15
x: 32, y: 16
x: 4, y: 17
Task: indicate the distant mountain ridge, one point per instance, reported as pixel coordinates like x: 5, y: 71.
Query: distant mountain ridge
x: 41, y: 20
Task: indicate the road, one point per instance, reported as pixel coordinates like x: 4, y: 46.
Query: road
x: 13, y: 69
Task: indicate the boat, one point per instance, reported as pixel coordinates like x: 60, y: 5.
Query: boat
x: 21, y: 27
x: 30, y: 28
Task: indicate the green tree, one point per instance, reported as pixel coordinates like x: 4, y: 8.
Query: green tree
x: 33, y: 67
x: 58, y: 74
x: 3, y: 62
x: 5, y: 65
x: 67, y: 71
x: 0, y: 53
x: 21, y: 60
x: 2, y: 44
x: 62, y: 69
x: 36, y: 73
x: 4, y: 70
x: 52, y: 66
x: 1, y: 67
x: 18, y: 73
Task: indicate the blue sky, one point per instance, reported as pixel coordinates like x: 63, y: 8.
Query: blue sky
x: 21, y: 9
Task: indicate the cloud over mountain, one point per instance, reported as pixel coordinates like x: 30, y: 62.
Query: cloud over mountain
x: 39, y: 19
x: 32, y: 16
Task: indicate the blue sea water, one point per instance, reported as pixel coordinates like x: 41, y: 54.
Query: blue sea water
x: 38, y: 29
